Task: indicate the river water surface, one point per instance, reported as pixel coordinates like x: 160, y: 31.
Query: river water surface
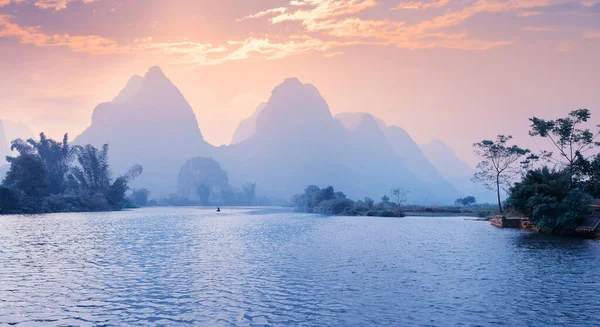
x: 264, y: 267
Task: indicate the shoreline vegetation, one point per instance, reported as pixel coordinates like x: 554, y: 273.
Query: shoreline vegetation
x: 330, y: 202
x: 49, y: 176
x: 554, y: 189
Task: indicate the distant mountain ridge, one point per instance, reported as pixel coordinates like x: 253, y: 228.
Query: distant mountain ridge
x: 456, y: 171
x: 148, y: 123
x: 247, y: 127
x: 291, y: 141
x: 401, y: 142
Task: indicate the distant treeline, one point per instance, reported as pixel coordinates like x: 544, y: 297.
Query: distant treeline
x: 328, y: 201
x: 53, y: 176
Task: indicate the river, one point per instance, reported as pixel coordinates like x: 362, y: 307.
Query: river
x: 269, y: 267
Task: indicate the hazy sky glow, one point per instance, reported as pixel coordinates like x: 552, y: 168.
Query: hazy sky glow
x: 454, y: 70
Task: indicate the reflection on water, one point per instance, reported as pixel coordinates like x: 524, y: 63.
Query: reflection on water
x: 167, y: 266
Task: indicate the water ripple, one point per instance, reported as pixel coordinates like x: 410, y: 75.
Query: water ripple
x: 185, y: 266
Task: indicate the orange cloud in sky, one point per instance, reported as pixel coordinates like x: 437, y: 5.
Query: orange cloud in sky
x: 503, y: 62
x: 422, y: 5
x: 326, y: 25
x: 46, y: 4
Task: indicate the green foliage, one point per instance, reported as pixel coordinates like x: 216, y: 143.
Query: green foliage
x: 8, y: 201
x: 385, y: 201
x: 545, y: 197
x: 385, y: 213
x: 328, y: 201
x: 369, y: 203
x: 55, y: 158
x: 43, y: 178
x: 500, y: 163
x: 27, y: 176
x: 334, y: 206
x: 466, y: 201
x: 588, y: 175
x: 571, y: 141
x: 139, y: 197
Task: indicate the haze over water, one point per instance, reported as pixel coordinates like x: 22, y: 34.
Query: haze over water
x: 272, y: 267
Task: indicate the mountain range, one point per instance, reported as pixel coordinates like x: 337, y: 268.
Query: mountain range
x: 291, y: 141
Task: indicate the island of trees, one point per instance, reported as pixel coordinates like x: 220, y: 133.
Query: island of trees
x: 328, y: 201
x: 556, y: 186
x: 54, y: 176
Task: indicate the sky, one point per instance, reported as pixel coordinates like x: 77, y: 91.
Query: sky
x: 460, y: 71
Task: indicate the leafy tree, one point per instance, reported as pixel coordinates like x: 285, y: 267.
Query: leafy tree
x: 55, y: 157
x: 27, y: 176
x: 588, y: 172
x: 466, y: 201
x: 400, y: 195
x: 8, y: 201
x: 500, y: 163
x: 325, y: 194
x: 139, y: 197
x: 385, y: 201
x: 369, y: 202
x: 93, y: 172
x: 340, y: 195
x: 571, y: 141
x: 546, y: 198
x: 93, y: 178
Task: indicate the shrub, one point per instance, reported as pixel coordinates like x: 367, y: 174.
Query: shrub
x: 9, y: 201
x: 546, y: 198
x: 334, y: 207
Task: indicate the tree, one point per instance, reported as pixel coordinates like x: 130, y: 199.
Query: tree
x: 546, y: 198
x: 55, y: 158
x: 571, y: 141
x: 385, y: 201
x: 500, y: 163
x: 139, y: 197
x: 8, y: 201
x: 369, y: 202
x: 588, y: 172
x: 400, y: 195
x: 27, y: 176
x: 93, y: 172
x: 325, y: 194
x: 92, y: 178
x: 466, y: 201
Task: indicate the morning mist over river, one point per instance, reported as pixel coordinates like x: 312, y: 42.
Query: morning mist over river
x: 299, y: 163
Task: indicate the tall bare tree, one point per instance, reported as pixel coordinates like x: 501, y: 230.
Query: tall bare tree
x: 500, y: 163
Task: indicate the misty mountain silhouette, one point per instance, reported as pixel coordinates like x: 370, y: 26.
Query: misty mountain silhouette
x: 149, y: 123
x: 247, y: 127
x: 396, y: 139
x: 456, y: 171
x: 297, y: 142
x: 290, y: 142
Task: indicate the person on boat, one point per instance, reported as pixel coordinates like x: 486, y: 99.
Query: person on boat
x: 218, y: 209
